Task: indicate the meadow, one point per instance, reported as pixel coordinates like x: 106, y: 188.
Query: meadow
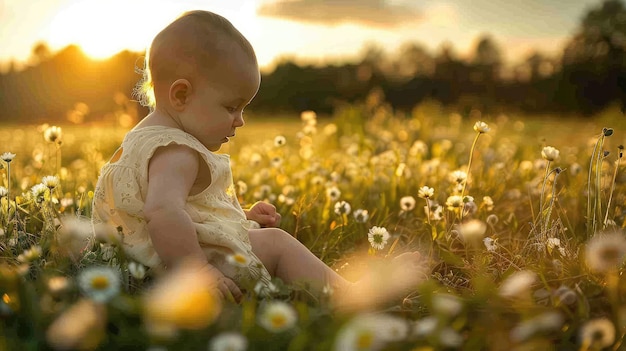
x: 519, y: 220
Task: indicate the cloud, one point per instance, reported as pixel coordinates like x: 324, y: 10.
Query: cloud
x: 377, y: 13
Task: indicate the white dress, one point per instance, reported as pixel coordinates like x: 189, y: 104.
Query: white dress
x: 220, y: 222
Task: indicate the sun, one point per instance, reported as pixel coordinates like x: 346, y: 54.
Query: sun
x: 104, y: 28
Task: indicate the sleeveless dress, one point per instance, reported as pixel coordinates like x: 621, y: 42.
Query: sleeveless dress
x: 220, y: 222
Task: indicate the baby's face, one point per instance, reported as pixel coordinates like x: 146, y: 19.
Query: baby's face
x: 216, y: 105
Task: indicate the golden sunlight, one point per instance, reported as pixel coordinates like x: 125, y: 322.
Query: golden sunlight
x: 102, y: 29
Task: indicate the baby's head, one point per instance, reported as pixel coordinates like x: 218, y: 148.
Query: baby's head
x: 194, y: 47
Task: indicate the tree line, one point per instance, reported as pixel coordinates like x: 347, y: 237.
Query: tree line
x: 587, y: 76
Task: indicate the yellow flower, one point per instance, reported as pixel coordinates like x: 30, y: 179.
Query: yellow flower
x: 184, y: 298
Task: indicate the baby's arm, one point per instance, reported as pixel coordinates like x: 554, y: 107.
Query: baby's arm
x: 171, y: 173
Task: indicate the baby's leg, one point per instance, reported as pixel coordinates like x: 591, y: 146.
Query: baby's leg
x: 286, y: 258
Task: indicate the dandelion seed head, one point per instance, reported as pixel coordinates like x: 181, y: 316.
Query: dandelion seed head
x: 361, y: 215
x: 280, y: 141
x: 518, y: 284
x: 342, y: 207
x: 597, y: 333
x: 407, y: 203
x: 333, y: 193
x: 606, y: 251
x: 53, y: 134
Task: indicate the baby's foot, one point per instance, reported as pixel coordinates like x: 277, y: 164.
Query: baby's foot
x: 385, y: 281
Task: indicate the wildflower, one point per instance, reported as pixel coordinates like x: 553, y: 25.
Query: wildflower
x: 53, y: 134
x: 549, y: 153
x: 278, y: 316
x: 597, y: 334
x: 473, y: 230
x: 407, y: 203
x: 58, y: 285
x: 80, y: 327
x: 426, y: 192
x: 308, y: 116
x: 3, y: 192
x: 317, y: 180
x: 361, y: 215
x: 518, y: 284
x: 454, y: 202
x: 39, y: 192
x: 544, y: 323
x: 238, y: 259
x: 564, y: 296
x: 606, y: 252
x: 276, y: 162
x: 488, y: 203
x: 137, y: 270
x: 265, y: 290
x: 7, y: 157
x: 458, y: 176
x: 228, y: 341
x: 492, y: 219
x: 434, y: 211
x: 490, y: 244
x: 447, y: 305
x: 418, y: 148
x: 31, y: 254
x: 481, y: 127
x: 333, y: 193
x: 107, y: 233
x: 74, y: 234
x: 425, y: 326
x: 279, y: 141
x: 342, y: 207
x: 50, y: 182
x: 242, y: 187
x: 185, y: 297
x: 370, y: 332
x: 100, y: 284
x: 378, y: 236
x: 451, y: 338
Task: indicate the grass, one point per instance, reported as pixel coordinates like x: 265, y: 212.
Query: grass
x: 518, y: 252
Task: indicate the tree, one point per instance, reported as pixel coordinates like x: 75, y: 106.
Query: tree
x: 594, y: 61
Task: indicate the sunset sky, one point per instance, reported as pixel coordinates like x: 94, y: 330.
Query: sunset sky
x: 304, y: 29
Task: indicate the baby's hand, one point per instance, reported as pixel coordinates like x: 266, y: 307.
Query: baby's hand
x: 225, y: 286
x: 265, y: 214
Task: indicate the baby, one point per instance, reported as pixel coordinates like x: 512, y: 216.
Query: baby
x: 173, y: 195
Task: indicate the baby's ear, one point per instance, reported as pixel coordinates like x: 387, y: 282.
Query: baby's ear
x: 179, y: 93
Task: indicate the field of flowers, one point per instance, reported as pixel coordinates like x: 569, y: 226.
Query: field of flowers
x: 519, y: 220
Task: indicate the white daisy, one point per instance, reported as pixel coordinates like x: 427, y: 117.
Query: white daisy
x: 342, y: 207
x: 407, y: 203
x: 378, y: 236
x: 238, y: 259
x: 481, y: 127
x: 7, y: 157
x: 426, y: 192
x: 361, y: 215
x: 137, y: 270
x: 228, y: 341
x: 280, y: 141
x: 278, y: 316
x: 50, y: 182
x: 101, y: 284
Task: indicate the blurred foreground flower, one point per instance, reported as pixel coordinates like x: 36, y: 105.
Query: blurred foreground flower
x: 101, y: 284
x: 228, y: 341
x: 183, y: 298
x: 81, y: 327
x: 518, y: 284
x: 370, y: 332
x: 606, y: 251
x: 596, y: 334
x: 278, y: 316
